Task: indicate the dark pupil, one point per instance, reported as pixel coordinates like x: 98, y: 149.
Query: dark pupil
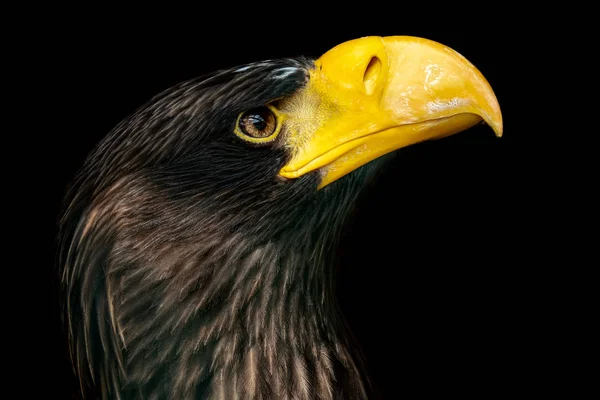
x: 257, y: 121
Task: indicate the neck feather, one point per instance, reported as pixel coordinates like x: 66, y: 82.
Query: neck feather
x: 234, y: 319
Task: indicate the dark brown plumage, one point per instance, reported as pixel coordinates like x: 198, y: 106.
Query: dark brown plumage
x: 189, y: 271
x: 197, y: 241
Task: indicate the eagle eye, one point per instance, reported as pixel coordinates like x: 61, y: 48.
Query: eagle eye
x: 258, y: 125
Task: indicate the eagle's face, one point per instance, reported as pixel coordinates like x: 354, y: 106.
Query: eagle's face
x: 198, y: 231
x: 263, y: 138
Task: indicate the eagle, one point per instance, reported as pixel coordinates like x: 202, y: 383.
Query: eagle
x: 196, y: 244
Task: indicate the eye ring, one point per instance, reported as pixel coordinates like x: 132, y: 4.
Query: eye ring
x: 258, y: 125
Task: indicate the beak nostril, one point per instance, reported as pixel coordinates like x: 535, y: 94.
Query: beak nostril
x: 372, y: 74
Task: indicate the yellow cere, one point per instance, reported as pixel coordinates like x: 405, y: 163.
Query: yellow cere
x: 370, y: 96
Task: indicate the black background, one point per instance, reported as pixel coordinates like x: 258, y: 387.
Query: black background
x: 431, y: 275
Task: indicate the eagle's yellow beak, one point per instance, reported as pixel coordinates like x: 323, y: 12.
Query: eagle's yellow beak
x: 370, y: 96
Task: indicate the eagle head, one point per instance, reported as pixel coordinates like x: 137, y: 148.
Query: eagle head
x: 196, y: 241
